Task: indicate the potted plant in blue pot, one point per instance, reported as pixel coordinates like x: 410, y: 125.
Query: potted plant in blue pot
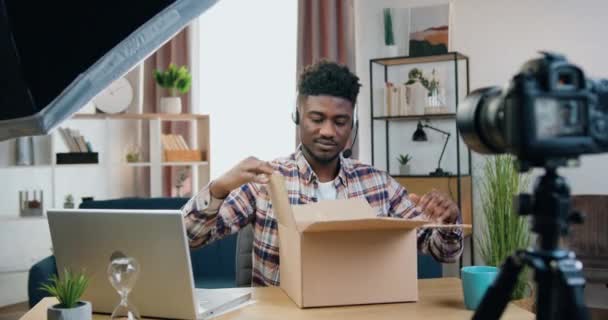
x: 68, y: 291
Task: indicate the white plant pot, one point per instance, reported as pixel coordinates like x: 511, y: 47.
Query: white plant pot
x: 392, y: 50
x: 171, y: 105
x: 82, y: 311
x: 404, y: 169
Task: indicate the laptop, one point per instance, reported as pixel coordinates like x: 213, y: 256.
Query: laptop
x: 84, y: 240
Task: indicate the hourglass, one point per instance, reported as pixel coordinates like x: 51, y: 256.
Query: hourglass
x: 122, y: 273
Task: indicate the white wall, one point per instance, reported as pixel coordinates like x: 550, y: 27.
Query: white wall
x: 247, y: 72
x: 499, y: 36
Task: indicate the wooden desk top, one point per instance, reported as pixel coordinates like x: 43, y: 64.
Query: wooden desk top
x: 438, y: 299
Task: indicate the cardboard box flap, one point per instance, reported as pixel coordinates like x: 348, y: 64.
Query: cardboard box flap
x: 379, y: 223
x: 345, y: 215
x: 280, y: 201
x: 333, y: 210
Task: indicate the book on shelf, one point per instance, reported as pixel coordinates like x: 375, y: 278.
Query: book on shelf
x: 174, y: 142
x: 177, y: 150
x: 74, y: 140
x: 397, y: 100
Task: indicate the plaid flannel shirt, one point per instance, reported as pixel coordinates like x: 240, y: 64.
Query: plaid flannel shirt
x: 208, y: 219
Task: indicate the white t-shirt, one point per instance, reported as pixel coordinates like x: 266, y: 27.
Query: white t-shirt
x: 327, y: 191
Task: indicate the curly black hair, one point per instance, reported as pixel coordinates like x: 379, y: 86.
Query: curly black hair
x: 328, y: 78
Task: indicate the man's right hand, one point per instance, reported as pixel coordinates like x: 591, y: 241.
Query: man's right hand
x: 248, y: 170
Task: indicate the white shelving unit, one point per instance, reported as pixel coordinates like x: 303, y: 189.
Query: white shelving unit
x: 113, y: 176
x: 199, y: 139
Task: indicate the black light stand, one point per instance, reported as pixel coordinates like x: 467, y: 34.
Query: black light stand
x: 420, y: 135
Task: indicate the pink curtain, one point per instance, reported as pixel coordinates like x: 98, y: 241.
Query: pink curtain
x: 176, y: 51
x: 326, y: 31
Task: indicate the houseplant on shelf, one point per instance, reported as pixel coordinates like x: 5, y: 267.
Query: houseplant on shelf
x: 435, y: 100
x: 389, y: 37
x: 404, y: 163
x: 504, y: 230
x: 176, y: 81
x: 68, y: 291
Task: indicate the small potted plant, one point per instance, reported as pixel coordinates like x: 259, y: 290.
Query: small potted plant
x: 69, y: 202
x: 404, y: 163
x: 176, y: 81
x: 68, y: 291
x: 389, y: 36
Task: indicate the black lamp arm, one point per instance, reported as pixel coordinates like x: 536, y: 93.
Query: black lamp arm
x: 438, y: 130
x: 447, y: 134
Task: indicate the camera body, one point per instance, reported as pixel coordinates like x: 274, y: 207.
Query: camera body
x: 548, y: 114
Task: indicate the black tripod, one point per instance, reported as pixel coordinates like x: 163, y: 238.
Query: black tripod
x: 557, y: 273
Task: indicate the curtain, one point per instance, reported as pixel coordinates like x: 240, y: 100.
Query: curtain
x: 326, y: 31
x: 176, y: 51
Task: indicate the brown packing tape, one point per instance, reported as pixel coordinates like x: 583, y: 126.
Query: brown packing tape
x: 280, y: 201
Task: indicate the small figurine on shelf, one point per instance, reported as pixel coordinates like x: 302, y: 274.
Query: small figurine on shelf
x: 404, y: 163
x: 69, y: 202
x: 181, y: 178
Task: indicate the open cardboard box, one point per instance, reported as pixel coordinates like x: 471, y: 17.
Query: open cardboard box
x: 341, y: 253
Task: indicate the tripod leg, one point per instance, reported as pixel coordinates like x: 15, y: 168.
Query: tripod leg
x: 573, y: 282
x: 561, y: 289
x: 499, y: 293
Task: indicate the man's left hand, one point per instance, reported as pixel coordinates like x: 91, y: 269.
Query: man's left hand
x: 437, y: 206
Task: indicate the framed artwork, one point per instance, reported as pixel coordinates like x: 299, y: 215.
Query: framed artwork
x: 420, y: 31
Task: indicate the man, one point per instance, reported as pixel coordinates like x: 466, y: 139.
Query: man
x: 316, y: 171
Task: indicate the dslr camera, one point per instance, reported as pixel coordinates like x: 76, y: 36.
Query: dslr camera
x: 548, y: 115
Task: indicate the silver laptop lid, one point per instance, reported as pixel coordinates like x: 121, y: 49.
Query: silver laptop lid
x: 85, y: 239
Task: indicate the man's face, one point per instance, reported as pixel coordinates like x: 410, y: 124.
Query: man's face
x: 325, y: 126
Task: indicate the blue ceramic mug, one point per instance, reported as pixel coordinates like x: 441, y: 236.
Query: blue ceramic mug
x: 475, y: 283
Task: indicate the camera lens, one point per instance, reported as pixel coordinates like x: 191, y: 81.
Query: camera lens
x: 480, y: 121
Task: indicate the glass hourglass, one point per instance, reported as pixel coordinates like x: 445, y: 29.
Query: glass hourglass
x: 122, y: 273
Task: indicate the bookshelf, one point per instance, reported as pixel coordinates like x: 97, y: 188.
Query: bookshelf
x: 392, y: 129
x: 112, y: 176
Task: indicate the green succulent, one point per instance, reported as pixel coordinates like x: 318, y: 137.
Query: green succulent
x: 404, y: 159
x: 67, y: 290
x: 174, y: 79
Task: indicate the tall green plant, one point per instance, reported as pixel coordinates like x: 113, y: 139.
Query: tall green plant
x: 174, y: 79
x: 389, y: 37
x: 67, y: 290
x: 505, y: 230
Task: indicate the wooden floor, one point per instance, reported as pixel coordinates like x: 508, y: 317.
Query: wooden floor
x: 14, y: 311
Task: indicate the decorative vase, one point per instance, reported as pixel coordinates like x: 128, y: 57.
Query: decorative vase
x: 435, y: 102
x: 416, y: 97
x: 404, y: 169
x: 171, y: 105
x: 82, y: 311
x: 25, y: 151
x: 391, y: 50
